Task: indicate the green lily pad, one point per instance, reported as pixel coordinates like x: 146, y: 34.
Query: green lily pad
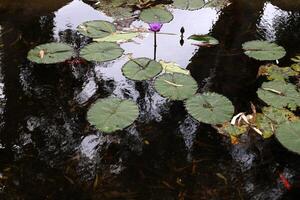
x: 171, y: 67
x: 96, y: 29
x: 176, y: 86
x: 232, y: 130
x: 50, y: 53
x: 288, y: 134
x: 188, y: 4
x: 159, y: 15
x: 273, y: 72
x: 270, y: 118
x: 296, y: 67
x: 140, y: 69
x: 210, y: 108
x: 263, y: 50
x: 112, y: 114
x: 206, y: 39
x: 118, y: 37
x: 279, y: 94
x: 101, y: 51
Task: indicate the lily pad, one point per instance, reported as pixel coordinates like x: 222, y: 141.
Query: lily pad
x: 288, y: 134
x: 188, y: 4
x: 112, y: 114
x: 263, y: 50
x: 118, y: 37
x: 50, y: 53
x: 140, y: 69
x: 210, y: 108
x: 96, y: 29
x: 205, y: 39
x: 101, y: 51
x: 273, y: 72
x: 176, y: 86
x: 171, y: 67
x: 279, y: 94
x: 159, y: 15
x: 270, y: 118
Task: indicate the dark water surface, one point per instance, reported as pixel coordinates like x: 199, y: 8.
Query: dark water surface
x: 49, y: 151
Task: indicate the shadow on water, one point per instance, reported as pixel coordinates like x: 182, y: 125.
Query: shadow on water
x: 49, y: 151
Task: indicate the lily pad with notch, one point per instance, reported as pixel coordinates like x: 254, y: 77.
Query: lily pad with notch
x: 176, y: 86
x: 189, y: 4
x: 159, y: 15
x: 112, y: 114
x: 140, y: 69
x: 263, y: 50
x: 210, y: 108
x: 288, y: 134
x: 279, y: 94
x: 204, y: 40
x: 96, y: 28
x: 50, y: 53
x: 101, y: 51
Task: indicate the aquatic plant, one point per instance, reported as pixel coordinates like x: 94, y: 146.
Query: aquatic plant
x: 96, y: 28
x: 156, y: 15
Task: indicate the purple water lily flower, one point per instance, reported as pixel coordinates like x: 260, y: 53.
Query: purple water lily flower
x: 155, y: 26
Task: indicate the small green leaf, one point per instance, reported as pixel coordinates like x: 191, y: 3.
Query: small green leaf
x: 296, y: 67
x: 50, y: 53
x: 171, y: 67
x: 176, y: 86
x: 112, y: 114
x: 288, y: 134
x: 140, y: 69
x: 96, y: 29
x: 210, y: 108
x: 160, y: 15
x: 263, y: 50
x: 279, y: 94
x: 204, y: 39
x: 101, y: 51
x: 188, y: 4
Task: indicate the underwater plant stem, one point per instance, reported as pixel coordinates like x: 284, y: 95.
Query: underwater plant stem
x: 155, y: 46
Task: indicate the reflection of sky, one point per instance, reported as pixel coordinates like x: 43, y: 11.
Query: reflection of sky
x: 269, y: 20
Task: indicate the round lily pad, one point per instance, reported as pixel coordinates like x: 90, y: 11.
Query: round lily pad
x: 159, y: 15
x: 204, y: 39
x: 210, y: 108
x: 279, y: 94
x: 101, y: 51
x: 112, y: 114
x: 176, y: 86
x: 288, y: 134
x: 140, y: 69
x: 188, y: 4
x: 50, y: 53
x: 96, y: 29
x: 263, y: 50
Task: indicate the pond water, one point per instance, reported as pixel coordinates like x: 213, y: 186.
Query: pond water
x: 48, y: 150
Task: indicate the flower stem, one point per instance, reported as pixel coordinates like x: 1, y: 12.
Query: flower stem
x: 155, y: 45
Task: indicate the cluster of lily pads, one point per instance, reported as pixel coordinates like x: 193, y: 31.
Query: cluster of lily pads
x: 175, y: 83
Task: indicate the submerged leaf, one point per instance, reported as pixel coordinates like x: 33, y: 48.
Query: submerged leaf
x: 176, y: 86
x: 263, y: 50
x: 279, y: 94
x: 101, y: 51
x: 50, y: 53
x: 159, y: 15
x: 188, y: 4
x: 140, y: 69
x: 112, y: 114
x: 96, y: 29
x: 210, y: 108
x: 288, y: 134
x: 171, y: 67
